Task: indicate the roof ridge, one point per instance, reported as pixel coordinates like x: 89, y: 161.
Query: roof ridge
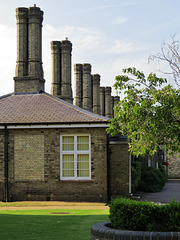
x: 6, y: 95
x: 27, y: 93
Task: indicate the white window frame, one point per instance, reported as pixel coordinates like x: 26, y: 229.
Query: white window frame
x: 75, y: 152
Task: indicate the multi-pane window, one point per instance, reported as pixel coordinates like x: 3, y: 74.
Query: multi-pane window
x: 75, y: 157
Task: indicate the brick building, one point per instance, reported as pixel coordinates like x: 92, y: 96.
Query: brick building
x: 51, y: 149
x: 173, y: 169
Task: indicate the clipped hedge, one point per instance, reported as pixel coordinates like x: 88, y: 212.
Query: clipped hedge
x: 127, y: 214
x: 135, y: 175
x: 163, y: 171
x: 152, y: 180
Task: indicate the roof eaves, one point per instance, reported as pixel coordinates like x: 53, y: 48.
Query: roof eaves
x: 41, y: 126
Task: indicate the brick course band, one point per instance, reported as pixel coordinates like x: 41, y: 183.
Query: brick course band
x: 103, y: 231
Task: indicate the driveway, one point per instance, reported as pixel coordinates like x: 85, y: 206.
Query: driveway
x: 170, y: 191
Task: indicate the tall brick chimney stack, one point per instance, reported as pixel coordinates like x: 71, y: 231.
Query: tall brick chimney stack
x: 116, y: 101
x: 112, y: 106
x: 102, y: 101
x: 87, y: 92
x: 56, y: 68
x: 22, y: 42
x: 108, y: 102
x: 29, y: 71
x: 35, y: 18
x: 66, y: 89
x: 78, y: 94
x: 96, y: 93
x: 61, y: 70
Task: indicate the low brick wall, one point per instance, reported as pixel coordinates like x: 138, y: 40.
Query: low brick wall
x: 103, y: 231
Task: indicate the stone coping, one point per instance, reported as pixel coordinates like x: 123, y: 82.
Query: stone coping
x: 103, y: 231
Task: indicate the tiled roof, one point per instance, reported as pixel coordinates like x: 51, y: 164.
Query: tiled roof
x: 42, y: 108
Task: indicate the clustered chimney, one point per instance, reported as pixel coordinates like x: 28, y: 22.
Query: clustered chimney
x: 88, y: 93
x: 83, y: 86
x: 29, y: 71
x: 107, y: 102
x: 114, y: 102
x: 61, y: 70
x: 87, y: 88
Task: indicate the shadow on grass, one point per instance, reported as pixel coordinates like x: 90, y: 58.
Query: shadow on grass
x: 44, y: 227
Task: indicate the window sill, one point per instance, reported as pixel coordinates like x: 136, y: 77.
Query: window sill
x: 77, y: 181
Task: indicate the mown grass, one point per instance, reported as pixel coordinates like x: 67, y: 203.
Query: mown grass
x: 49, y: 224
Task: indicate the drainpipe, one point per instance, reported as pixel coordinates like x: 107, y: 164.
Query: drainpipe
x: 108, y: 173
x: 129, y: 174
x: 6, y: 187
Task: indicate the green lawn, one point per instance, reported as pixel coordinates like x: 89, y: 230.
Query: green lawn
x: 51, y: 224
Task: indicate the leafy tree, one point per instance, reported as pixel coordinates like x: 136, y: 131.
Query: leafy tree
x: 149, y: 114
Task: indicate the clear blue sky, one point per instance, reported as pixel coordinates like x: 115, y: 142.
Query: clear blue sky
x: 108, y: 34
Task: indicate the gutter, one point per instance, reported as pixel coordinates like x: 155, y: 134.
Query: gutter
x: 6, y: 165
x: 53, y: 125
x: 130, y: 175
x: 108, y: 173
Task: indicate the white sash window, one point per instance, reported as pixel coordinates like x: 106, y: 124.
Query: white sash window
x: 75, y: 157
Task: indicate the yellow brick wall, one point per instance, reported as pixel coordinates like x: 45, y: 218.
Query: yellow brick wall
x: 34, y: 167
x: 174, y: 166
x: 47, y: 185
x: 28, y: 157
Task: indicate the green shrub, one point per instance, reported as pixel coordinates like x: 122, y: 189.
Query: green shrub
x: 127, y: 214
x: 135, y: 175
x: 163, y: 170
x: 152, y: 180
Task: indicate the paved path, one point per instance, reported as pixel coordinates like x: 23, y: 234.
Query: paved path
x: 171, y: 190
